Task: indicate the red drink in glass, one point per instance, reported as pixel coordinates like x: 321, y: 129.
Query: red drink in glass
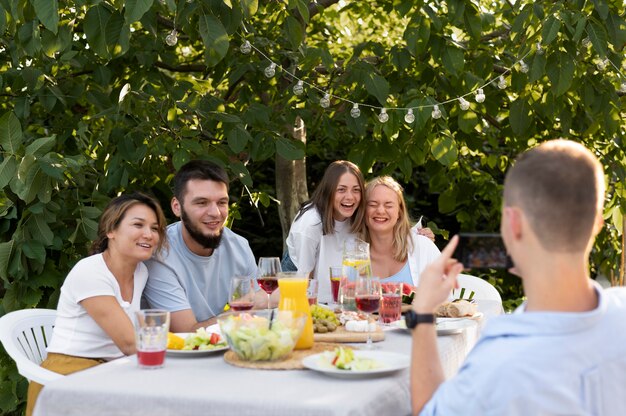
x: 241, y: 305
x: 268, y: 283
x: 151, y: 358
x: 390, y: 308
x: 334, y: 286
x: 313, y: 300
x: 368, y: 303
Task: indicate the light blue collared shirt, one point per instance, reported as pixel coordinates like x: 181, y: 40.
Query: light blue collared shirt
x: 544, y: 363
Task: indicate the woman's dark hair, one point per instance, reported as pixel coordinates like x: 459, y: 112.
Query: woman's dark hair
x: 197, y: 169
x: 114, y: 213
x: 323, y: 197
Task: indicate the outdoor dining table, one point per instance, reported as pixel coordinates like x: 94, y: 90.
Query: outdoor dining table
x: 209, y: 386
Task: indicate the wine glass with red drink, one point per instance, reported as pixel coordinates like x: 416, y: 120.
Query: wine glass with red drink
x: 241, y: 294
x: 367, y: 296
x: 269, y: 267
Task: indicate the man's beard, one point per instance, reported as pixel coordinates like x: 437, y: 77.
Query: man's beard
x: 211, y: 241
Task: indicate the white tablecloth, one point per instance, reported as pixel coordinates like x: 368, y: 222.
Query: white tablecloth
x: 209, y: 386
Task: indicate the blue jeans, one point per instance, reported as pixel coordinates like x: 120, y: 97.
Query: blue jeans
x: 286, y: 264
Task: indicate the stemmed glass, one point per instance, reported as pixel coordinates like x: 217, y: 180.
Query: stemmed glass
x: 367, y: 294
x: 241, y: 294
x: 269, y: 267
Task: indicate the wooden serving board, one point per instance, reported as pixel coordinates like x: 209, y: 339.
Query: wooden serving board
x: 341, y: 335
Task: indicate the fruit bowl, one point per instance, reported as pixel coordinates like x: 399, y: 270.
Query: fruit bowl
x: 251, y: 336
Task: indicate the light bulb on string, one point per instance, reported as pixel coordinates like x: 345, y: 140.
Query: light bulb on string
x: 298, y: 89
x: 270, y: 71
x: 480, y: 95
x: 409, y: 117
x: 325, y: 101
x: 602, y: 64
x: 436, y: 112
x: 585, y: 42
x: 539, y: 48
x: 523, y: 67
x: 383, y: 117
x: 172, y: 38
x: 464, y: 104
x: 622, y: 87
x: 501, y: 82
x: 355, y: 112
x: 245, y: 47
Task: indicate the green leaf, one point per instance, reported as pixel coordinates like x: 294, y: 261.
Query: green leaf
x: 560, y: 69
x: 473, y: 24
x: 8, y: 167
x: 520, y: 116
x: 33, y: 249
x: 289, y: 149
x: 10, y: 133
x: 377, y: 86
x: 215, y: 39
x: 31, y: 179
x: 48, y: 13
x: 238, y: 138
x: 303, y: 9
x: 249, y: 7
x: 447, y: 201
x: 444, y: 150
x: 602, y: 8
x: 241, y: 172
x: 598, y: 37
x: 5, y: 255
x: 40, y: 230
x: 89, y: 228
x: 468, y: 120
x: 537, y: 67
x: 95, y: 25
x: 550, y: 30
x: 41, y: 146
x: 417, y: 35
x: 453, y: 59
x: 135, y: 9
x: 294, y: 31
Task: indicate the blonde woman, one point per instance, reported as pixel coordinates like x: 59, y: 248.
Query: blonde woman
x: 398, y: 252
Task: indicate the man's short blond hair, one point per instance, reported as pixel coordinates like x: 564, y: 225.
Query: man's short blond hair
x: 559, y: 185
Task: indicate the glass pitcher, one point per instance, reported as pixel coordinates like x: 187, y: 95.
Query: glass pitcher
x: 356, y: 262
x: 293, y: 297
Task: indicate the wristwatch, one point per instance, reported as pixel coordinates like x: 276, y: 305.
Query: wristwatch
x: 412, y: 318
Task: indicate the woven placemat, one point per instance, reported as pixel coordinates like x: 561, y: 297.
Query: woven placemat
x: 293, y: 362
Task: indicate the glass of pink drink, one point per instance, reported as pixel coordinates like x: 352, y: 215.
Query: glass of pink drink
x: 269, y: 267
x: 311, y: 291
x: 241, y: 294
x: 151, y: 337
x: 336, y: 273
x: 391, y: 302
x: 367, y: 296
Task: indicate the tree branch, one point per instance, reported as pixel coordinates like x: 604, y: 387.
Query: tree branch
x: 181, y: 68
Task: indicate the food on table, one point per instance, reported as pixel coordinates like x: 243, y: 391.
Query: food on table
x: 252, y: 338
x: 203, y: 340
x: 356, y: 322
x: 344, y: 359
x: 456, y: 309
x: 408, y: 293
x: 324, y: 320
x: 174, y: 342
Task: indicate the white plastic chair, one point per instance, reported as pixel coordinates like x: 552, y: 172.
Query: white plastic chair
x: 482, y: 289
x: 25, y: 335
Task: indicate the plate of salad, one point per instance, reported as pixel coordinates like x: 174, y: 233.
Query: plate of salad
x: 348, y: 363
x: 195, y: 344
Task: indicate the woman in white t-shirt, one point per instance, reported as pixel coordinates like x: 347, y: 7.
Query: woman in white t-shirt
x: 398, y: 252
x: 334, y: 213
x: 101, y: 293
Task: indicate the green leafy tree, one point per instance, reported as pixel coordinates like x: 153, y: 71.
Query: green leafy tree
x: 105, y: 96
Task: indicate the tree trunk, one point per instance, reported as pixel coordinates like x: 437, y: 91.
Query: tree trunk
x: 291, y: 187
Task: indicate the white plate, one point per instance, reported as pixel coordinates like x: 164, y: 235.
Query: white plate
x: 193, y: 353
x: 390, y: 361
x: 450, y: 327
x: 475, y: 317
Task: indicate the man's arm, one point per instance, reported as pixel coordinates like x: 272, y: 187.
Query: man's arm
x: 436, y: 282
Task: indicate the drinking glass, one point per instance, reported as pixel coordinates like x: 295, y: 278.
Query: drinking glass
x: 311, y: 291
x: 336, y: 273
x: 391, y: 302
x: 151, y: 337
x: 367, y: 295
x: 346, y: 293
x: 269, y: 267
x: 356, y: 258
x: 241, y: 294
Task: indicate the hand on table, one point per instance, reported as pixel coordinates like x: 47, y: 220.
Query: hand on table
x: 437, y: 280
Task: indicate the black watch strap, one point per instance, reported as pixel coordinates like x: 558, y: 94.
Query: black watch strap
x: 412, y: 318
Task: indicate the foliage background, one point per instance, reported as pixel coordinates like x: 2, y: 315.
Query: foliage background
x: 94, y: 102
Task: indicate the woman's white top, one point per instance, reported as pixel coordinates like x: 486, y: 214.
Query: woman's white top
x: 424, y: 252
x: 310, y: 250
x: 75, y: 332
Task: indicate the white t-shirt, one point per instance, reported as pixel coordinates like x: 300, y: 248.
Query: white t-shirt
x: 310, y: 250
x: 75, y: 332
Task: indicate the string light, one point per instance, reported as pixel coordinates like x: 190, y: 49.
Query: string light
x: 539, y: 48
x: 501, y: 83
x: 585, y: 42
x: 523, y: 67
x: 409, y: 117
x: 270, y: 71
x: 355, y: 112
x: 325, y: 101
x: 436, y: 113
x: 464, y: 104
x: 602, y: 64
x: 172, y: 38
x: 622, y: 87
x: 480, y: 95
x: 245, y: 47
x: 298, y: 89
x: 383, y: 117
